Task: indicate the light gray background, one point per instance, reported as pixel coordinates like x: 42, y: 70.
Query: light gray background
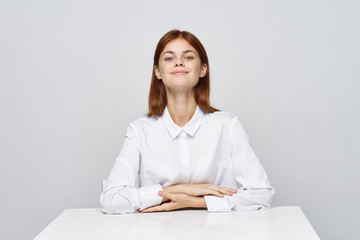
x: 74, y: 73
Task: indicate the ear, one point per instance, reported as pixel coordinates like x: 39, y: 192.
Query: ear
x: 157, y: 72
x: 203, y: 70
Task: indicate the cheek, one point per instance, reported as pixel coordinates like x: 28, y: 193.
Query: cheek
x: 196, y: 67
x: 164, y: 68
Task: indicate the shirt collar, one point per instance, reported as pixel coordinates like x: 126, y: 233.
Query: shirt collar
x: 190, y: 128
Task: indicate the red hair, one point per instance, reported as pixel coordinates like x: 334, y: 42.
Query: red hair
x: 157, y: 94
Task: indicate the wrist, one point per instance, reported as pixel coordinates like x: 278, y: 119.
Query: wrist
x: 198, y: 202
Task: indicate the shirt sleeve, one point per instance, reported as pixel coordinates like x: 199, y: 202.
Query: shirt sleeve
x: 120, y: 193
x: 254, y: 189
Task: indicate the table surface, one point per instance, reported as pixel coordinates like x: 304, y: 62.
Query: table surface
x: 91, y: 224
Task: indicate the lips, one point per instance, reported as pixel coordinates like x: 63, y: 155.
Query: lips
x: 179, y: 72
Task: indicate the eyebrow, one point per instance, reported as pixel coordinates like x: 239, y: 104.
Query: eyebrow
x: 171, y: 52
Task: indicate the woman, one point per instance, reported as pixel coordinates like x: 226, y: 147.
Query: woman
x: 185, y: 153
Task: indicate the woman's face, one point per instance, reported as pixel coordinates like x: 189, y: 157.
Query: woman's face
x: 180, y: 66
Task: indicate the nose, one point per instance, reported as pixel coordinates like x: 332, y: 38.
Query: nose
x: 179, y: 63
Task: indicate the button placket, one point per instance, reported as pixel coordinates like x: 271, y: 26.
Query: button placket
x: 185, y: 158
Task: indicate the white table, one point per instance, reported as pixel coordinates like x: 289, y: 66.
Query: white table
x: 287, y: 223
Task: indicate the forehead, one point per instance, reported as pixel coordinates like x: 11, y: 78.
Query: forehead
x: 178, y: 45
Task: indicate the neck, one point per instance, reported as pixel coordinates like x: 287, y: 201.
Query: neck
x: 181, y: 107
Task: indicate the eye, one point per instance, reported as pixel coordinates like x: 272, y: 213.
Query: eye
x: 168, y: 59
x: 189, y: 57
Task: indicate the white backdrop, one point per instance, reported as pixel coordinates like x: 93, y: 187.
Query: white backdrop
x: 74, y: 73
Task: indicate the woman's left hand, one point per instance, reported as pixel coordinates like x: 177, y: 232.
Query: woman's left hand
x: 176, y: 201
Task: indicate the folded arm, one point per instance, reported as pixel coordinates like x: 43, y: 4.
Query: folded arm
x: 188, y: 196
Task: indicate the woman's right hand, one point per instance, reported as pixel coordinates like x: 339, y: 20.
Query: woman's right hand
x: 199, y: 190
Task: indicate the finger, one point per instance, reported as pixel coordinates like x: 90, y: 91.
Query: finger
x: 227, y: 192
x: 152, y: 209
x: 231, y: 190
x: 219, y: 191
x: 223, y: 189
x: 215, y: 193
x: 159, y: 208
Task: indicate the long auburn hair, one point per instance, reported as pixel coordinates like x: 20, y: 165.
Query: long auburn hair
x: 157, y: 94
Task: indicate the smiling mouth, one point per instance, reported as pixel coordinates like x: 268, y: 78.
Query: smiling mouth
x: 179, y: 72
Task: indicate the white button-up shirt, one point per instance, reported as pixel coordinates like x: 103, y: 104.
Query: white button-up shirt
x: 211, y: 148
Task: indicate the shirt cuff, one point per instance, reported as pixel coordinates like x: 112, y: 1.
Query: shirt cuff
x: 217, y: 204
x: 150, y: 196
